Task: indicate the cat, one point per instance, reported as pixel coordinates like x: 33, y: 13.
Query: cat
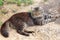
x: 19, y: 19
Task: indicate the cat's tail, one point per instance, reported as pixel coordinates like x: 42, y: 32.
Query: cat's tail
x: 4, y: 29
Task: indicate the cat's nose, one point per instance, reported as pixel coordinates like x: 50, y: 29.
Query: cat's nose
x: 36, y: 8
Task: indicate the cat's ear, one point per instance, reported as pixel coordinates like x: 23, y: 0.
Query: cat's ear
x: 32, y: 8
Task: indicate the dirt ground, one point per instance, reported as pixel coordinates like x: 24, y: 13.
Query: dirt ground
x: 50, y: 31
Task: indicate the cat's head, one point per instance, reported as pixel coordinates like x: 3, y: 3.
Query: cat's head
x: 37, y: 15
x: 36, y: 12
